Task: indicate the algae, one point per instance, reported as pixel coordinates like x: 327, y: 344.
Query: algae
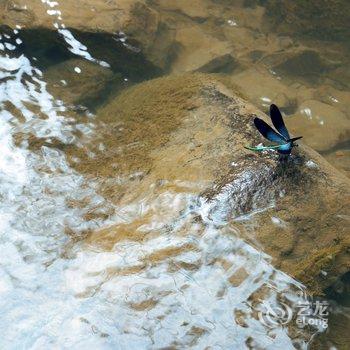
x: 316, y: 264
x: 139, y: 120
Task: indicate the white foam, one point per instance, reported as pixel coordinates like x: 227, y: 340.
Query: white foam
x: 311, y: 164
x: 78, y: 48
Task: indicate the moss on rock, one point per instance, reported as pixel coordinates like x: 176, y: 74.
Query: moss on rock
x: 193, y: 128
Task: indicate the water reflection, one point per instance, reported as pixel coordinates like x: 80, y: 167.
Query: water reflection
x: 179, y: 283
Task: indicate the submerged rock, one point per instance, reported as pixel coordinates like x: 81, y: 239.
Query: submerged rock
x: 100, y: 25
x: 193, y: 128
x: 42, y: 15
x: 198, y: 48
x: 80, y: 82
x: 269, y: 89
x: 319, y: 116
x: 340, y: 158
x: 306, y: 64
x: 337, y: 334
x: 195, y: 9
x: 221, y: 64
x: 322, y: 19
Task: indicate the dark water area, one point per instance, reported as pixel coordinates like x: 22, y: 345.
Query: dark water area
x: 107, y: 240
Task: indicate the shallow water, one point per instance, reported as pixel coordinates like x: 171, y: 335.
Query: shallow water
x: 162, y: 268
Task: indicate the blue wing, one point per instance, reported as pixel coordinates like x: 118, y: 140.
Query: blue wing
x: 277, y: 121
x: 268, y: 132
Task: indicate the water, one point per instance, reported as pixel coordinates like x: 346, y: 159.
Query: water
x: 160, y: 268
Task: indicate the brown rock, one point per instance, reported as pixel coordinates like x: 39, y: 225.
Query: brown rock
x: 16, y: 12
x: 195, y: 9
x: 321, y: 19
x: 106, y: 19
x: 197, y: 48
x: 313, y: 118
x: 221, y: 64
x: 300, y: 207
x: 339, y: 159
x: 269, y: 90
x: 307, y: 64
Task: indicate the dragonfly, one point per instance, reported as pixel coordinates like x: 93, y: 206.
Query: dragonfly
x: 284, y: 142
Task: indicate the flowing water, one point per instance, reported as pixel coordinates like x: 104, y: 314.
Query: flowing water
x: 162, y: 269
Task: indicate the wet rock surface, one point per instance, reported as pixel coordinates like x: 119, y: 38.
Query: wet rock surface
x: 195, y: 129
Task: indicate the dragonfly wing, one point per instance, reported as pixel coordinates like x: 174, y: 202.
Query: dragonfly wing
x: 285, y: 149
x: 277, y: 121
x: 266, y: 130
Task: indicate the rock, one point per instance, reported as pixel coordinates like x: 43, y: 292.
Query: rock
x: 244, y: 40
x: 141, y: 23
x: 339, y: 99
x: 321, y: 19
x: 270, y: 89
x: 197, y: 48
x: 84, y: 88
x: 306, y: 64
x: 309, y: 116
x: 341, y: 76
x: 137, y: 123
x: 286, y: 42
x: 313, y: 118
x: 339, y: 159
x: 255, y: 55
x: 95, y: 16
x: 195, y: 9
x: 42, y: 15
x: 192, y: 129
x: 152, y: 35
x: 337, y: 334
x: 221, y: 64
x: 246, y: 17
x: 305, y: 93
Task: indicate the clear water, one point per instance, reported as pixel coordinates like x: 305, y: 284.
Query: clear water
x: 169, y: 283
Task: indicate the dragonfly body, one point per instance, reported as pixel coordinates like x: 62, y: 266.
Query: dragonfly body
x: 284, y: 142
